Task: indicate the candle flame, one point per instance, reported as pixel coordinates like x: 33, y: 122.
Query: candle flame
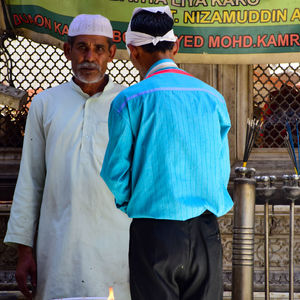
x: 111, y: 294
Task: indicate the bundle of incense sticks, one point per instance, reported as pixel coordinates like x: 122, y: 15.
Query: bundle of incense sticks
x: 253, y: 128
x: 289, y: 143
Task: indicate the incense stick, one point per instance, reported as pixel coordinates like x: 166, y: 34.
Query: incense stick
x: 298, y: 145
x: 291, y: 152
x: 253, y: 128
x: 290, y: 146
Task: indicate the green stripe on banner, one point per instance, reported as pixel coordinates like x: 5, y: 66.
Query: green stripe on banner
x: 40, y: 20
x: 196, y: 33
x: 219, y: 40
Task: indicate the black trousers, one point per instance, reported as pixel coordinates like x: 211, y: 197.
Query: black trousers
x: 176, y: 260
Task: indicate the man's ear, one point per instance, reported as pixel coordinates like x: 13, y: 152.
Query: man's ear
x: 67, y: 50
x: 175, y: 48
x: 133, y: 51
x: 112, y: 52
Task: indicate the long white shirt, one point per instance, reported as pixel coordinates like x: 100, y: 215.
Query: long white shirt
x: 82, y: 241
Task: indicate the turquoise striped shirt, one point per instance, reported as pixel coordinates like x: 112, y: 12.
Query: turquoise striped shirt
x: 168, y: 156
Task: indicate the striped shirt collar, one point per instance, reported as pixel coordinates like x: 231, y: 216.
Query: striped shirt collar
x: 161, y: 65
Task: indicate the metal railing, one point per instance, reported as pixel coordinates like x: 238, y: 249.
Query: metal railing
x: 248, y: 191
x: 34, y: 67
x: 276, y: 98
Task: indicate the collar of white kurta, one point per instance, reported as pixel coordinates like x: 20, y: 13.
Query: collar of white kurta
x: 77, y: 88
x: 135, y: 38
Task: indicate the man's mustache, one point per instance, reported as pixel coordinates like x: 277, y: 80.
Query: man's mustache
x: 89, y: 65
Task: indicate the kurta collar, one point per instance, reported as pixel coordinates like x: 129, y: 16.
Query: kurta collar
x: 78, y: 89
x: 161, y: 65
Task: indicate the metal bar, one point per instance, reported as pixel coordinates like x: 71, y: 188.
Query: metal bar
x: 266, y: 189
x: 243, y: 235
x: 291, y: 262
x: 267, y: 267
x: 291, y: 191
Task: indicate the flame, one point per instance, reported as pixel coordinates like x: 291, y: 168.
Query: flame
x: 111, y: 294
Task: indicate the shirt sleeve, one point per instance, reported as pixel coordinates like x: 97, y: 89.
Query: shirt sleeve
x: 116, y: 168
x: 224, y: 150
x: 28, y: 193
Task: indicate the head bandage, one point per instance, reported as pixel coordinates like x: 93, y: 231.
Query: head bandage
x: 90, y: 25
x: 135, y: 38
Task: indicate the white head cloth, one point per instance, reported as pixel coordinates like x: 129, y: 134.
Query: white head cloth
x: 90, y: 25
x: 138, y: 38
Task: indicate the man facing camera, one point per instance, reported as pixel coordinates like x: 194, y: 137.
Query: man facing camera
x: 82, y: 239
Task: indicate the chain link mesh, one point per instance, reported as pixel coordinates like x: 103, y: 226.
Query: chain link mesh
x: 34, y: 67
x: 276, y: 101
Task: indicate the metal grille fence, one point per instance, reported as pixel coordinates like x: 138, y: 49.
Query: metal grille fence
x: 34, y: 67
x: 276, y: 100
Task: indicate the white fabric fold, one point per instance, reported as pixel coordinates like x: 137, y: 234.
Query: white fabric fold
x: 138, y: 38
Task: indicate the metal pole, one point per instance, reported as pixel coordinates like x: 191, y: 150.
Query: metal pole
x: 243, y: 234
x: 266, y: 190
x: 291, y: 263
x: 267, y: 266
x: 291, y: 191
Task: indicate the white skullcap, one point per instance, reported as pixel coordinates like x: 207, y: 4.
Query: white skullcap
x: 90, y: 25
x: 138, y: 38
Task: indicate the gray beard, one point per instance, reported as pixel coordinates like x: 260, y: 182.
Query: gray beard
x: 89, y: 81
x: 82, y: 77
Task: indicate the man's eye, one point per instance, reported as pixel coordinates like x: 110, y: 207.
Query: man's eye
x: 100, y: 49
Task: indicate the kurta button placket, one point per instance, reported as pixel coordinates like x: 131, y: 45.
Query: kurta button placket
x: 85, y: 126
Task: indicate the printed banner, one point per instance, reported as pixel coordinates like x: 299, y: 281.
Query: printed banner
x: 209, y: 31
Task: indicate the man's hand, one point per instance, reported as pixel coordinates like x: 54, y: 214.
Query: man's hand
x: 26, y: 267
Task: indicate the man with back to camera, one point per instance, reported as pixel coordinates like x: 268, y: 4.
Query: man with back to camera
x: 167, y: 164
x: 82, y: 240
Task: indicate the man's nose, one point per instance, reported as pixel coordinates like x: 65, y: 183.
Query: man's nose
x: 89, y: 56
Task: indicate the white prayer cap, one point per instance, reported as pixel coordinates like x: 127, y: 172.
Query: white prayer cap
x: 90, y: 25
x: 138, y: 38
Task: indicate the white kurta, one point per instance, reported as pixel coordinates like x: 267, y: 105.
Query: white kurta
x: 82, y: 242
